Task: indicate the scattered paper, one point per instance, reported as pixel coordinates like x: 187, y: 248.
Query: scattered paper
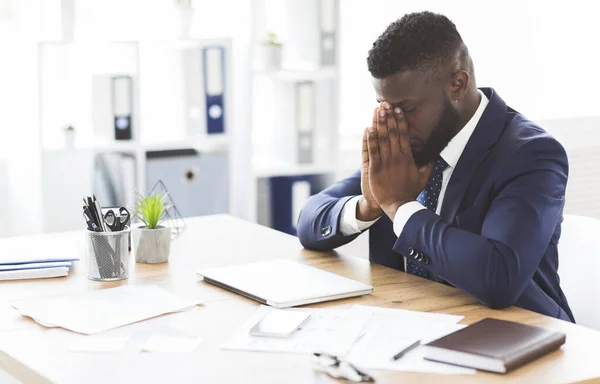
x: 328, y: 330
x: 163, y: 343
x: 390, y: 330
x: 98, y: 344
x: 407, y: 316
x: 101, y: 310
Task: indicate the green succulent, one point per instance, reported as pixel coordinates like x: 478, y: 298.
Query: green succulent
x: 150, y: 209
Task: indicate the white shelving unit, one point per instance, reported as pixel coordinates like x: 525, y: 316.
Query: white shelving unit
x: 278, y: 120
x: 58, y: 159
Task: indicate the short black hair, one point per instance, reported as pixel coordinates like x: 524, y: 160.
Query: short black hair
x: 418, y: 41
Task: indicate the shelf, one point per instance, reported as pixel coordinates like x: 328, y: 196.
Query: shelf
x: 204, y: 144
x: 325, y: 73
x: 262, y: 170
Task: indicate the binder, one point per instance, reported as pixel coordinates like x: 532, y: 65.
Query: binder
x: 328, y: 18
x: 112, y: 106
x: 194, y: 97
x: 311, y: 31
x: 305, y: 121
x: 287, y: 195
x: 213, y: 59
x: 122, y: 106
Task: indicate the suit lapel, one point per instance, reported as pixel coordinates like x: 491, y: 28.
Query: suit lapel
x: 485, y: 135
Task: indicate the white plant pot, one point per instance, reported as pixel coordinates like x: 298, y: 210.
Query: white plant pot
x: 151, y: 246
x: 69, y: 139
x: 268, y: 57
x: 185, y: 16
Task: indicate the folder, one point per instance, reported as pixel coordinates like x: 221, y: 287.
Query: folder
x: 214, y: 85
x: 300, y: 195
x: 194, y: 97
x: 328, y: 20
x: 285, y: 197
x: 311, y: 32
x: 39, y: 273
x: 305, y: 121
x: 122, y: 104
x: 21, y: 267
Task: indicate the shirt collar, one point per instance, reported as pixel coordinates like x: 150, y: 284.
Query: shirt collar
x: 451, y: 154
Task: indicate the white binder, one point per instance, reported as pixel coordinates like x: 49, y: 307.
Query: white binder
x: 305, y: 121
x: 204, y: 89
x: 311, y: 28
x: 122, y: 106
x: 328, y: 17
x: 214, y: 79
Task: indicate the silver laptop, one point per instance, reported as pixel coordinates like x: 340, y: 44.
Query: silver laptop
x: 283, y: 283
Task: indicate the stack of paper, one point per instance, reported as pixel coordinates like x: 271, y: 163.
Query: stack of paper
x: 20, y: 258
x: 391, y: 330
x: 98, y: 311
x: 366, y: 336
x: 328, y: 330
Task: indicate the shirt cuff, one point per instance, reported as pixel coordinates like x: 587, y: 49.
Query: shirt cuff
x: 404, y: 213
x: 349, y: 224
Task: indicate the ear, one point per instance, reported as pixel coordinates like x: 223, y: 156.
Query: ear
x: 459, y: 85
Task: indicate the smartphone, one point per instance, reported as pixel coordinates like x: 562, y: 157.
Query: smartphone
x: 280, y: 323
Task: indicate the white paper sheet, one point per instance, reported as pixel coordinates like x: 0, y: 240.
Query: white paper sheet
x: 101, y: 310
x: 411, y: 316
x: 98, y: 344
x: 328, y: 330
x: 389, y: 331
x: 164, y: 343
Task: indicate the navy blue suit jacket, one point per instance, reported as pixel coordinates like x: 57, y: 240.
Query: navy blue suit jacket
x: 497, y: 233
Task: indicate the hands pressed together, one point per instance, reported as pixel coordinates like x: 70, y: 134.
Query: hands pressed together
x: 389, y: 175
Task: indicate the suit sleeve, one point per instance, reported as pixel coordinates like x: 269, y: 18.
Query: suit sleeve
x: 496, y: 265
x: 319, y: 222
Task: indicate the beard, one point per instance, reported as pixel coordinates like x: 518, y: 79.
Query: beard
x: 441, y: 135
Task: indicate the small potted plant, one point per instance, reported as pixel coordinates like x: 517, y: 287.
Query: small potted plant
x: 268, y: 55
x: 151, y: 241
x: 69, y: 137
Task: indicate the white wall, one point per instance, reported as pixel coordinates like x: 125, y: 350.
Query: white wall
x: 38, y: 20
x: 541, y: 56
x: 19, y: 139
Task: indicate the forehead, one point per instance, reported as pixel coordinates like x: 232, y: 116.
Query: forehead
x: 407, y: 85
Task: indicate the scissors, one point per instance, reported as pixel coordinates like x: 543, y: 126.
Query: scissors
x: 117, y: 222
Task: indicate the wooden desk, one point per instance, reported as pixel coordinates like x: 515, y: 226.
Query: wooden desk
x: 220, y: 240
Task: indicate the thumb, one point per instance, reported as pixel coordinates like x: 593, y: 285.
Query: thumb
x: 425, y: 174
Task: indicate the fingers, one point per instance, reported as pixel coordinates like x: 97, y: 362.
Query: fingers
x: 365, y: 150
x: 424, y: 175
x: 374, y: 123
x: 403, y: 137
x: 373, y: 152
x: 392, y: 130
x: 382, y: 133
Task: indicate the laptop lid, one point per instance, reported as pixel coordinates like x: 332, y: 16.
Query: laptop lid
x: 283, y: 283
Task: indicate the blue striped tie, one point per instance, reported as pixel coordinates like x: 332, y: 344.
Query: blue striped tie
x: 429, y: 198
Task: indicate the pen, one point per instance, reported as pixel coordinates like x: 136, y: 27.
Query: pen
x: 101, y: 223
x: 406, y: 350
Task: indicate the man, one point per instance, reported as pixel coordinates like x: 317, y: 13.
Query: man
x: 454, y: 186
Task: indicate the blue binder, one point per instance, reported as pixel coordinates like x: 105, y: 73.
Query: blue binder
x: 213, y: 58
x: 280, y: 190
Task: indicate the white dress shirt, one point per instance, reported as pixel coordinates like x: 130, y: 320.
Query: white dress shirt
x: 350, y: 225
